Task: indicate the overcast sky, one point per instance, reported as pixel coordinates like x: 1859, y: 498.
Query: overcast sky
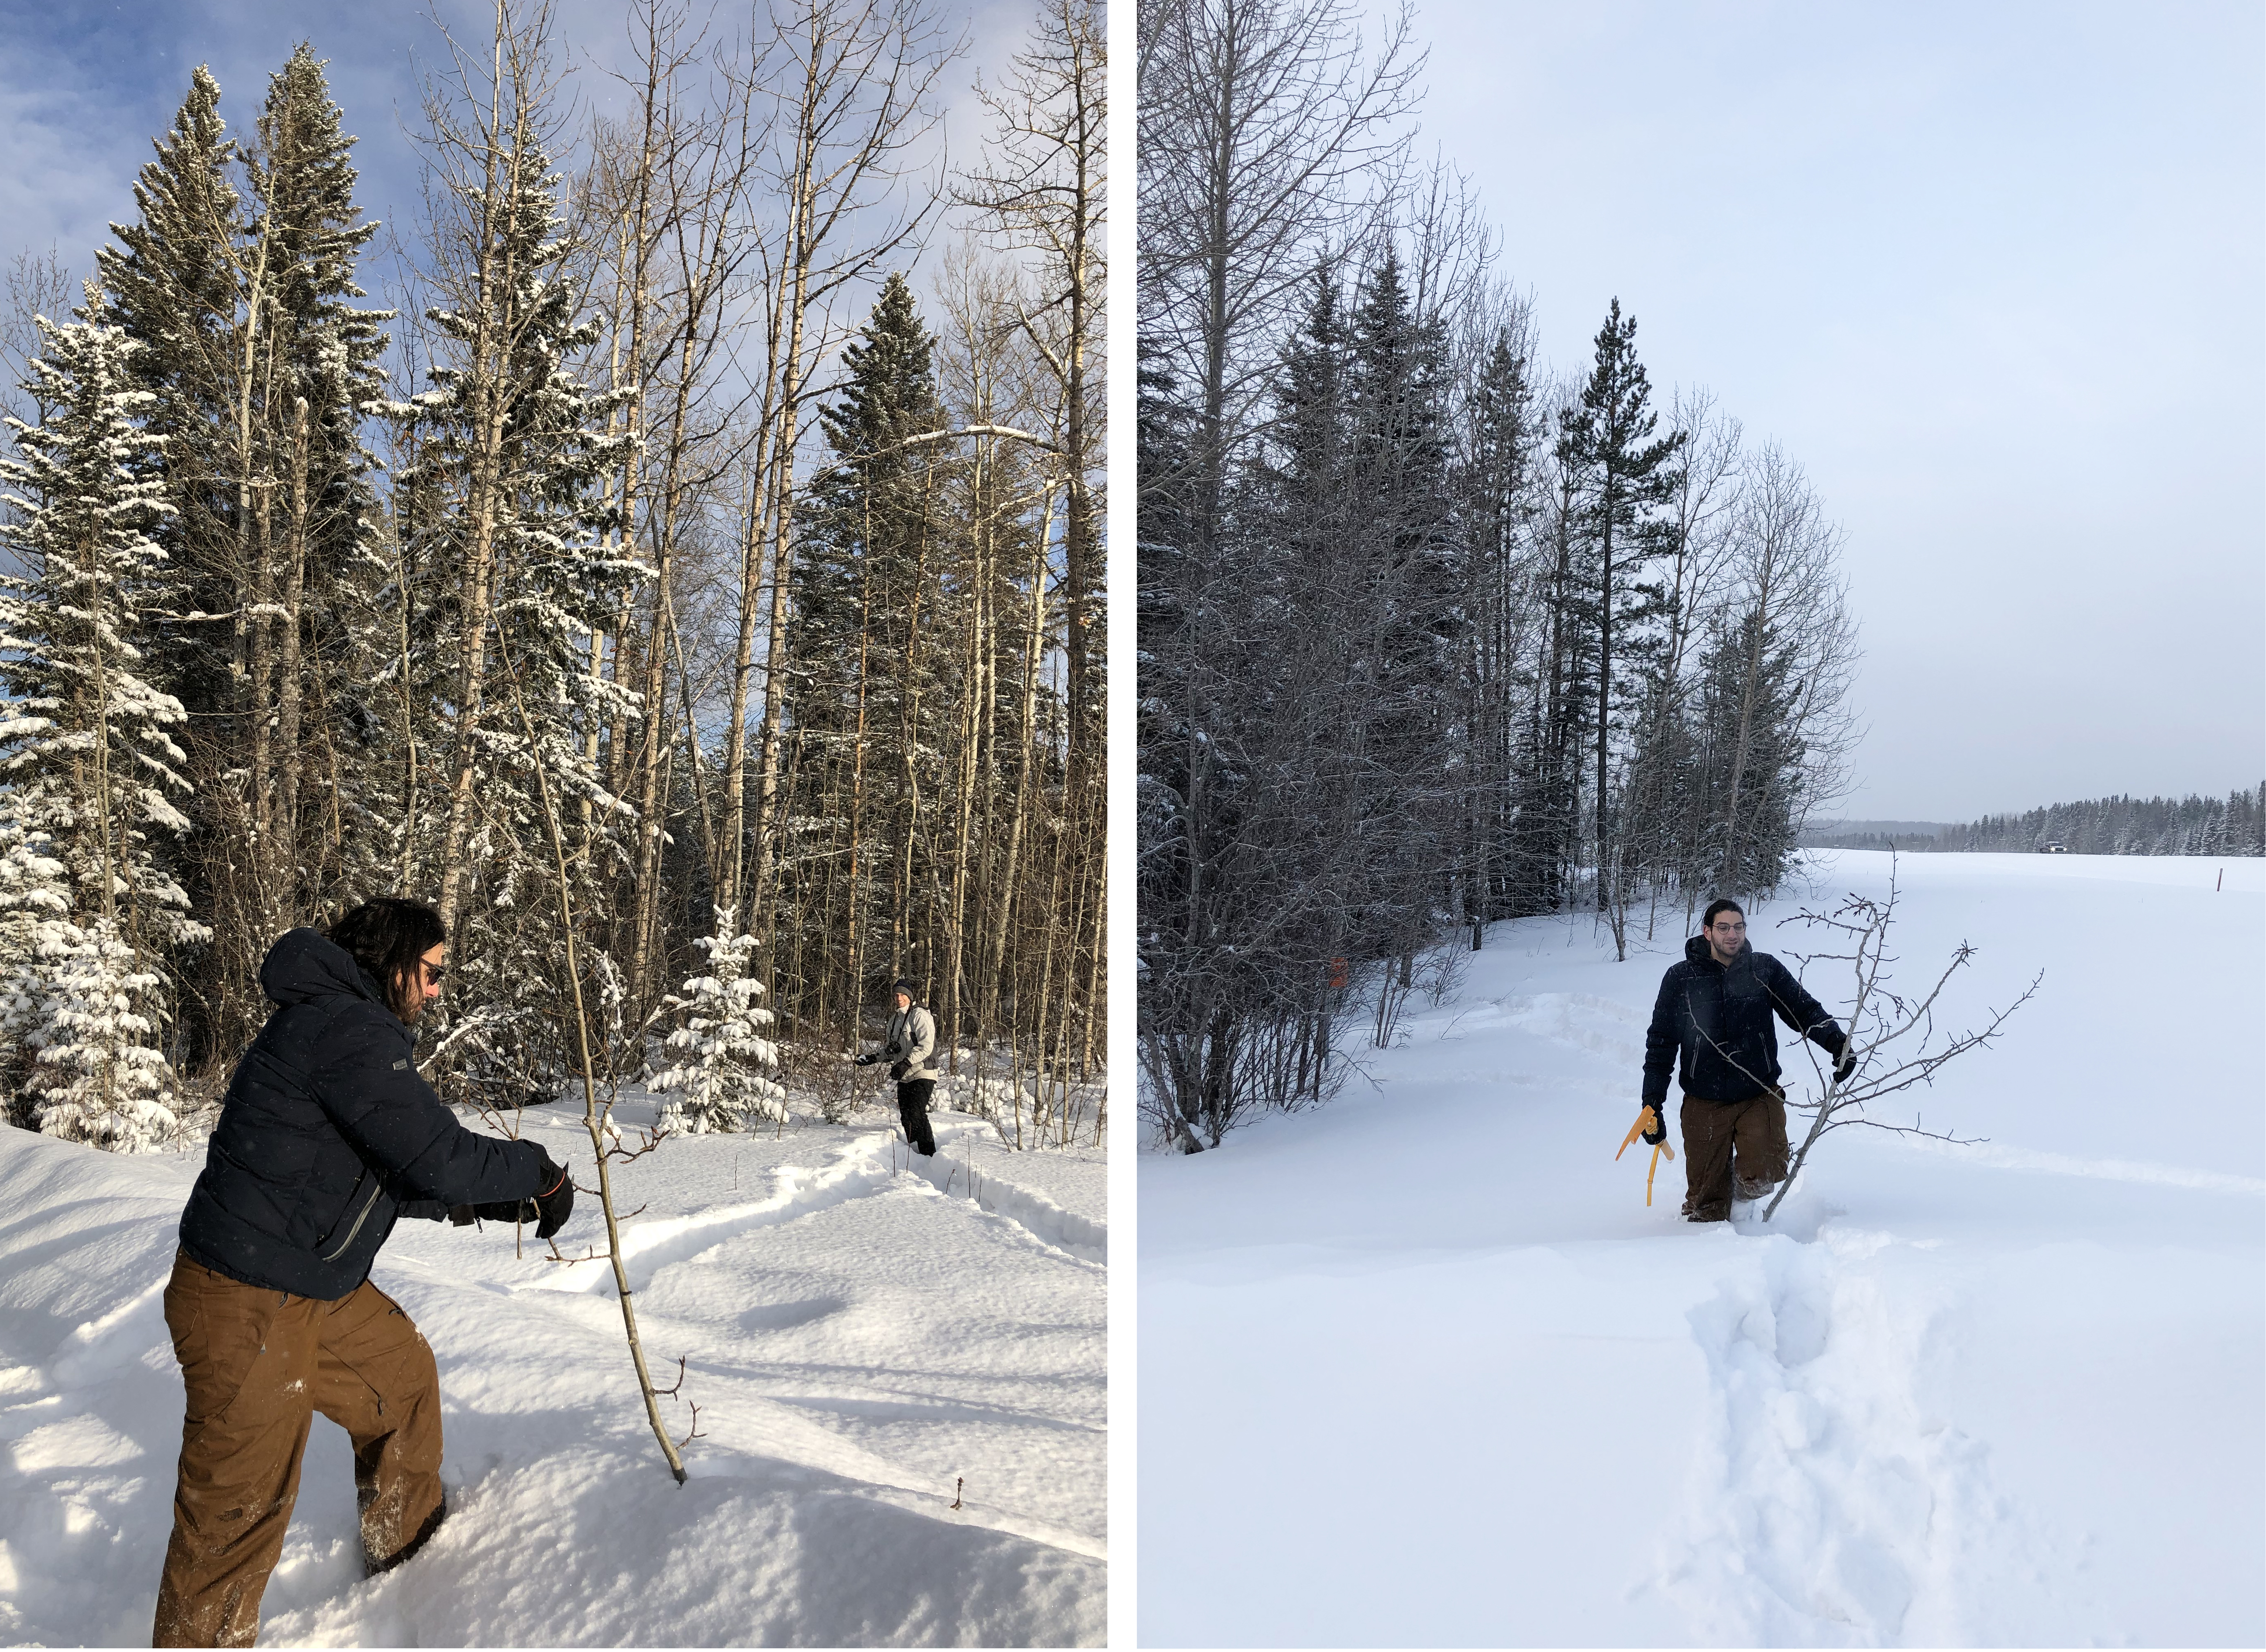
x: 1996, y: 276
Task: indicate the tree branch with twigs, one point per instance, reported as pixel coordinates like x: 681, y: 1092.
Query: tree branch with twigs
x: 1896, y: 1040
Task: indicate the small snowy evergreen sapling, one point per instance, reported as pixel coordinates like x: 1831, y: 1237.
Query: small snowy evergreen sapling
x: 100, y: 1076
x: 721, y: 1076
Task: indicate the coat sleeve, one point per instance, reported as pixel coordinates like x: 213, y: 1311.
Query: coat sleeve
x: 372, y: 1093
x: 1800, y: 1011
x: 1661, y: 1041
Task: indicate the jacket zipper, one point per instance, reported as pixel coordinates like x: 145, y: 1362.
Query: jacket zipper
x: 375, y: 1189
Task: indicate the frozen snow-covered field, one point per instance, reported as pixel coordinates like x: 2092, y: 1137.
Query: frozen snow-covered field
x: 861, y: 1340
x: 1421, y: 1368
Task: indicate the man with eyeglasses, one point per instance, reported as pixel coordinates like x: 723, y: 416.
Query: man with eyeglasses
x: 326, y: 1135
x: 1714, y: 1020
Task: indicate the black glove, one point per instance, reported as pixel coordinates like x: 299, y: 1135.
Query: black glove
x: 553, y: 1206
x: 492, y: 1210
x: 1848, y: 1064
x: 898, y: 1068
x: 548, y: 1211
x: 866, y: 1060
x: 1658, y: 1133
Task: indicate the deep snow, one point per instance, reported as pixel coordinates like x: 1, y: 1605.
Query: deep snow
x: 1420, y: 1367
x: 863, y: 1330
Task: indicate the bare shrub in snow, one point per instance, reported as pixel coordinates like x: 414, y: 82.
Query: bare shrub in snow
x: 1897, y: 1040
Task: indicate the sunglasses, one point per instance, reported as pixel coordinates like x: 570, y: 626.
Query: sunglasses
x: 433, y: 972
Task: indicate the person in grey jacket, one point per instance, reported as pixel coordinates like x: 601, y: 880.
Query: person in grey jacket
x: 910, y: 1047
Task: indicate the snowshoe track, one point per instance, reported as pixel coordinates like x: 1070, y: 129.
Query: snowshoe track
x: 1831, y: 1504
x: 869, y: 1164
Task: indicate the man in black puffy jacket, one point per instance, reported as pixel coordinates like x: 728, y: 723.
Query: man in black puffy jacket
x: 327, y: 1135
x: 1715, y: 1021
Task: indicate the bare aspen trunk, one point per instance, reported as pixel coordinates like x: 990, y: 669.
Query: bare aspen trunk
x: 1750, y: 690
x: 289, y: 699
x: 593, y: 1118
x: 1034, y: 644
x: 495, y: 281
x: 752, y: 541
x: 406, y: 869
x: 782, y: 510
x: 260, y: 697
x: 856, y: 917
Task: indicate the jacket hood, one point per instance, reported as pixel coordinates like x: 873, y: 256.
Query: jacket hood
x: 306, y: 965
x: 1698, y: 950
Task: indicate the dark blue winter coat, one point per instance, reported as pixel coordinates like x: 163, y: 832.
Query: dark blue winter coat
x: 327, y: 1134
x: 1718, y: 1018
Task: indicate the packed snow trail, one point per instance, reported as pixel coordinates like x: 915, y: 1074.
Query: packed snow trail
x: 1420, y: 1368
x: 862, y: 1344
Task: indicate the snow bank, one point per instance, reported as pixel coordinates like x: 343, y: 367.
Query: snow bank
x: 861, y: 1345
x: 1421, y: 1368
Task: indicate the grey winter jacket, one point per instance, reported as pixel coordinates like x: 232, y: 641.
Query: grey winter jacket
x: 912, y: 1039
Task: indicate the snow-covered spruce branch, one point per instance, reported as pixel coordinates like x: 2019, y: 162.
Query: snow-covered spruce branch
x: 1894, y: 1039
x: 926, y: 438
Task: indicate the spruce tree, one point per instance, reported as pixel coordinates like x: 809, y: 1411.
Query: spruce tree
x: 1410, y: 577
x: 1495, y: 506
x: 259, y: 362
x: 171, y: 285
x: 503, y: 517
x: 87, y: 753
x: 860, y: 693
x: 1625, y: 475
x: 1752, y: 754
x: 323, y: 368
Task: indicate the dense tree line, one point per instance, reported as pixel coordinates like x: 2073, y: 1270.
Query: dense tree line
x: 1428, y: 637
x: 655, y: 511
x: 2123, y: 825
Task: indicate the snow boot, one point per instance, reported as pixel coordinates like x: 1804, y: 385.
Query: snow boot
x: 373, y: 1567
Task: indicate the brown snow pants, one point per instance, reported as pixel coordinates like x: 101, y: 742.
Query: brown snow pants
x: 1726, y: 1143
x: 258, y: 1365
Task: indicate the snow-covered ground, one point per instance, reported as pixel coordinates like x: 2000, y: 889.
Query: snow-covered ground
x: 862, y: 1341
x: 1421, y: 1368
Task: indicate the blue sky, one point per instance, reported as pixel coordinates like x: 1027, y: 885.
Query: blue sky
x: 85, y: 87
x: 1997, y: 276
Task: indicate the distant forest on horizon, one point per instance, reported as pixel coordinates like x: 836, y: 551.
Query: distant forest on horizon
x: 2120, y: 825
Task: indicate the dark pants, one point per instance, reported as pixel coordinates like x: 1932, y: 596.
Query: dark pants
x: 1726, y: 1143
x: 912, y: 1107
x: 258, y: 1365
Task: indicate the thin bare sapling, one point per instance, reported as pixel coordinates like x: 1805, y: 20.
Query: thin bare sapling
x: 1895, y: 1039
x: 592, y: 1119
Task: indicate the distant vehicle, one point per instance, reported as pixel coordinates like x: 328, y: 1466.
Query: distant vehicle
x: 2056, y: 847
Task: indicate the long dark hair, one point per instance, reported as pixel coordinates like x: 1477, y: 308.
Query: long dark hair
x: 387, y: 937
